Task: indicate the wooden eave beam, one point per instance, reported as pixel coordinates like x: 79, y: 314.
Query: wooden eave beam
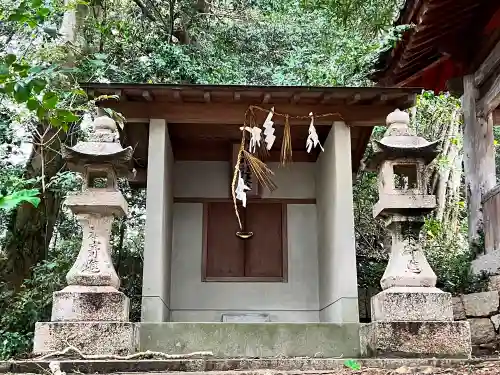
x: 491, y: 99
x: 423, y: 38
x: 488, y: 66
x: 496, y: 117
x: 354, y: 99
x: 177, y: 96
x: 421, y: 72
x: 147, y: 95
x: 233, y: 113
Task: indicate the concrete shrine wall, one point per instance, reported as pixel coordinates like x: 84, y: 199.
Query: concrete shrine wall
x: 155, y: 306
x: 193, y: 300
x: 338, y: 294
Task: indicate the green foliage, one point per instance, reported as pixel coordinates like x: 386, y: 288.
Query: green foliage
x: 370, y: 15
x: 264, y: 42
x: 444, y: 239
x: 32, y: 303
x: 27, y: 80
x: 352, y: 364
x: 8, y: 202
x: 451, y: 260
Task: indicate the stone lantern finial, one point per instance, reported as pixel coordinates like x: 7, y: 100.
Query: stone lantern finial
x: 92, y: 293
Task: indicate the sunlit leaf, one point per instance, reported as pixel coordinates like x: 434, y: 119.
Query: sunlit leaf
x: 11, y: 201
x: 352, y: 364
x: 9, y: 87
x: 67, y: 116
x: 50, y: 100
x: 21, y: 93
x: 41, y: 113
x: 16, y: 16
x: 35, y: 69
x: 32, y: 104
x: 4, y: 71
x: 100, y: 56
x: 43, y: 12
x: 98, y: 63
x: 79, y: 92
x: 38, y: 85
x: 9, y: 59
x: 55, y: 121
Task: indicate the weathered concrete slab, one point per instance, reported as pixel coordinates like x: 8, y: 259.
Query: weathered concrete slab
x: 412, y: 304
x: 253, y: 340
x: 416, y: 339
x: 482, y: 331
x: 90, y: 303
x: 89, y: 337
x: 482, y: 304
x: 251, y: 366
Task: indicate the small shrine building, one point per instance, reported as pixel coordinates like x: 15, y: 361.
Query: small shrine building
x: 290, y: 254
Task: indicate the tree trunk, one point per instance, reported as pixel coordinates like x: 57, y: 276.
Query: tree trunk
x: 449, y: 153
x: 479, y: 159
x: 30, y: 228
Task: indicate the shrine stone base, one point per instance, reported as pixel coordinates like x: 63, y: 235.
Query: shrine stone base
x: 104, y: 338
x: 402, y: 304
x: 252, y: 340
x: 90, y: 303
x: 416, y: 339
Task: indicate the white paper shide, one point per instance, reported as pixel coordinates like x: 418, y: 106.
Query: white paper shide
x: 269, y: 130
x: 241, y: 190
x: 312, y: 139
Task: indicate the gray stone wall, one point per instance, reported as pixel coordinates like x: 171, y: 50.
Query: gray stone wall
x: 482, y: 311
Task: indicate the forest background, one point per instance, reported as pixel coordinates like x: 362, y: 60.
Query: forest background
x: 47, y: 47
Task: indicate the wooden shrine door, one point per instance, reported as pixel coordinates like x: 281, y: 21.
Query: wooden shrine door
x: 262, y: 257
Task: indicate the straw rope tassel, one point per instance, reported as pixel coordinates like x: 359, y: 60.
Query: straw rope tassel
x: 286, y: 145
x: 235, y: 177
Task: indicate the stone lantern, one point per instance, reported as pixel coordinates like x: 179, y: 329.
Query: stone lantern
x: 409, y: 304
x: 90, y: 313
x: 401, y: 159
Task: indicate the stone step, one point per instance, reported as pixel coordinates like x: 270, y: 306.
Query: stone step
x: 274, y: 366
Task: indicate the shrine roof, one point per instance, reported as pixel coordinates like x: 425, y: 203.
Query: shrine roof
x: 449, y: 39
x: 320, y: 97
x: 188, y: 109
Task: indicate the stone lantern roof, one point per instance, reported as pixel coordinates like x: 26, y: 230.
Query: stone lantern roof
x: 400, y: 141
x: 102, y: 149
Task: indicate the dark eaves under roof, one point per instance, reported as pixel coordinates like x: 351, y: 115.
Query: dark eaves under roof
x: 401, y: 98
x: 450, y: 37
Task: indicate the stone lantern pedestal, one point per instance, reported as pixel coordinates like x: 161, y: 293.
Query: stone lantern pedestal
x: 90, y: 313
x: 410, y: 317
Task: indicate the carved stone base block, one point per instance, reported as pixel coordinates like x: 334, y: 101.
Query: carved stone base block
x: 416, y: 339
x: 90, y: 303
x: 89, y: 337
x: 400, y: 304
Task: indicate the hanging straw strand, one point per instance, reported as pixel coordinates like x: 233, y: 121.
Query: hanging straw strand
x: 330, y: 114
x: 286, y: 145
x: 260, y: 170
x: 235, y: 176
